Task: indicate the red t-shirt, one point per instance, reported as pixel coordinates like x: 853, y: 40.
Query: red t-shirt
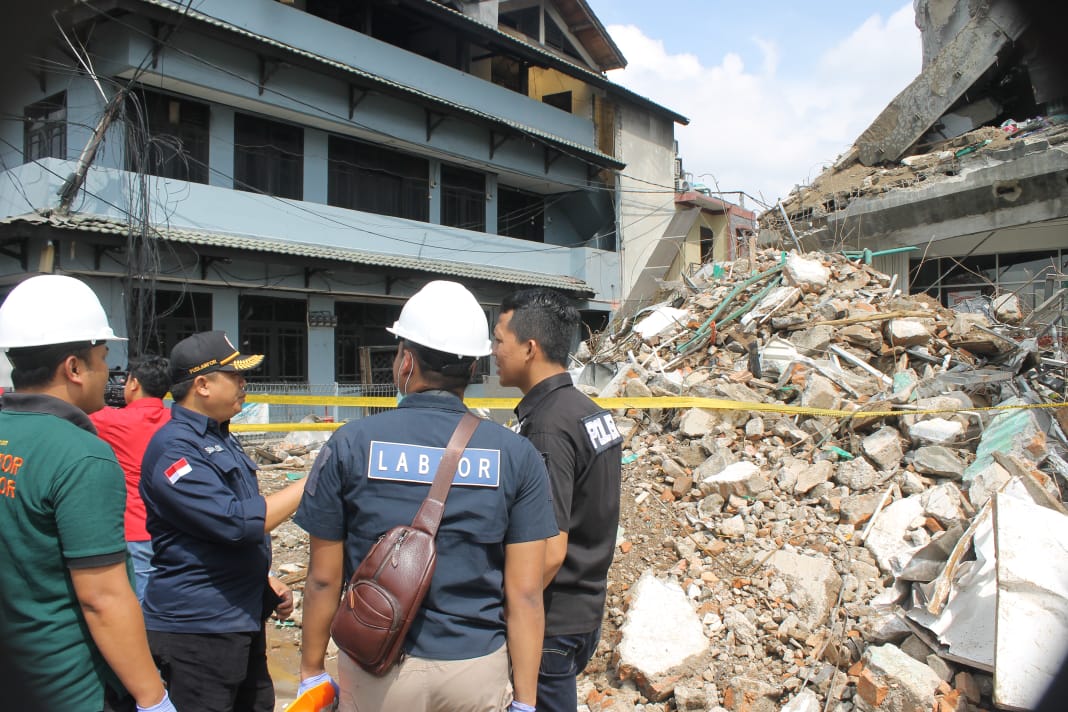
x: 128, y: 431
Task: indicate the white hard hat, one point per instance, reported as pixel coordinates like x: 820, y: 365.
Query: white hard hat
x: 446, y: 317
x: 52, y: 309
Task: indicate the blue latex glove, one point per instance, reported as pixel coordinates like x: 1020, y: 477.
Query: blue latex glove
x: 518, y: 706
x: 165, y: 705
x: 315, y: 681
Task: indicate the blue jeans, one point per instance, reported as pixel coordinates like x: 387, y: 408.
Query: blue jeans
x: 563, y: 657
x: 141, y: 555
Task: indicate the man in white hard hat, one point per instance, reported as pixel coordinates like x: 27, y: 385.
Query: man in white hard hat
x: 68, y: 613
x: 208, y: 598
x: 484, y: 603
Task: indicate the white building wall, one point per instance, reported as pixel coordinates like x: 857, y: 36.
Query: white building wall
x: 647, y: 186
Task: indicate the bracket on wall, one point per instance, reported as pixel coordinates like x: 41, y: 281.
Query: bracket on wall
x: 356, y: 96
x: 100, y: 250
x: 551, y: 154
x: 41, y: 79
x: 158, y: 42
x: 389, y: 283
x: 433, y: 120
x: 207, y: 261
x: 496, y: 142
x: 267, y: 69
x: 20, y: 254
x: 591, y: 172
x: 310, y: 272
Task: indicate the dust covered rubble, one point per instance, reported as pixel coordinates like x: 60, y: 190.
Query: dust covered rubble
x: 821, y: 555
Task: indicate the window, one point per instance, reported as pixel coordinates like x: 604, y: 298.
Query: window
x: 708, y: 244
x: 363, y: 350
x: 167, y: 317
x: 377, y: 180
x: 46, y: 129
x: 561, y: 100
x: 463, y: 198
x: 950, y: 279
x: 172, y: 141
x: 558, y: 39
x: 268, y: 157
x: 520, y: 214
x: 278, y: 329
x: 527, y: 21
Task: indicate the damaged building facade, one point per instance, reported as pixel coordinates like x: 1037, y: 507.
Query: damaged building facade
x: 291, y: 172
x: 967, y: 166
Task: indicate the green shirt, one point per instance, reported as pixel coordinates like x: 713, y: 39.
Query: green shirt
x: 62, y: 497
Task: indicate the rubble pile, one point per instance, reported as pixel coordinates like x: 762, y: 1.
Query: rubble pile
x: 847, y: 180
x: 775, y: 555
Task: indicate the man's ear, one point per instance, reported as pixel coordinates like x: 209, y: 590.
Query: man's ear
x: 531, y: 349
x: 200, y: 385
x: 72, y: 369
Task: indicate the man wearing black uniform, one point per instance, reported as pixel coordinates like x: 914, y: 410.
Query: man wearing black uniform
x: 582, y: 450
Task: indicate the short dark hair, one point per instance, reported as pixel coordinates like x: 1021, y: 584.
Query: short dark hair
x: 153, y: 373
x: 180, y: 390
x: 439, y: 369
x: 545, y: 316
x: 35, y: 366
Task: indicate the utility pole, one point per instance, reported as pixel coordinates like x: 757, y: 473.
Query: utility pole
x: 74, y: 182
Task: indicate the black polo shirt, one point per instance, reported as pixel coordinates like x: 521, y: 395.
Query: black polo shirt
x: 582, y: 450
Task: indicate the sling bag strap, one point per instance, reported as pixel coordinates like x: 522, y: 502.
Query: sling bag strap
x: 429, y: 515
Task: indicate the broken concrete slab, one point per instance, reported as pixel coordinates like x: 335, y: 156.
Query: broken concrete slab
x: 661, y: 629
x: 886, y: 539
x: 815, y: 474
x: 937, y: 460
x: 804, y: 701
x: 745, y: 479
x: 1032, y: 600
x: 661, y: 319
x: 749, y: 694
x: 985, y: 482
x: 810, y: 275
x: 695, y: 423
x: 883, y: 447
x: 813, y: 581
x: 1007, y: 308
x: 859, y: 475
x: 907, y: 332
x: 814, y: 341
x: 936, y: 431
x: 943, y: 503
x: 820, y: 392
x: 859, y: 508
x: 910, y: 684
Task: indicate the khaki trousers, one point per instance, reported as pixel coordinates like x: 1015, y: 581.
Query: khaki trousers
x: 420, y: 685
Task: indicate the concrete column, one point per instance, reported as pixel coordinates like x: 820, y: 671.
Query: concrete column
x: 316, y: 168
x: 224, y: 314
x: 221, y: 147
x: 492, y: 201
x: 320, y: 343
x: 434, y: 216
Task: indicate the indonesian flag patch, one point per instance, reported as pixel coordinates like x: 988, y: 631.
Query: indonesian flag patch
x: 178, y: 470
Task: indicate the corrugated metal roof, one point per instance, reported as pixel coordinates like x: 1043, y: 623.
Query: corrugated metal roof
x: 469, y: 270
x: 587, y: 152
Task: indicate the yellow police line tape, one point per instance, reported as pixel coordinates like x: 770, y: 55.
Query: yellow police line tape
x: 659, y: 402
